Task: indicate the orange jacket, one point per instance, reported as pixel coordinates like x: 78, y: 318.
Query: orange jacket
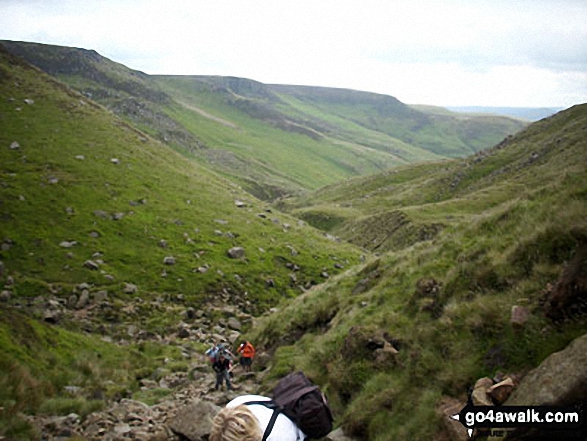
x: 246, y: 350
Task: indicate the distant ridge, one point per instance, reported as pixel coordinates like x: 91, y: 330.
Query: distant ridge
x: 527, y: 113
x: 273, y: 140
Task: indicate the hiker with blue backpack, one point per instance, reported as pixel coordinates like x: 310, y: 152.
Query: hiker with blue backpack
x: 297, y: 411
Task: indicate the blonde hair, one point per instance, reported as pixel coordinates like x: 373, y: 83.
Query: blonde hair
x: 235, y: 424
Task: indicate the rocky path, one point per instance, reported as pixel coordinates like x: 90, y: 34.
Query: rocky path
x: 185, y: 414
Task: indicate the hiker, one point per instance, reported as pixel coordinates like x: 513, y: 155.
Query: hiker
x: 247, y: 351
x: 216, y: 350
x: 213, y: 352
x: 240, y: 422
x: 297, y: 411
x: 223, y: 367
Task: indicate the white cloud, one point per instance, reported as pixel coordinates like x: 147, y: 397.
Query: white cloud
x: 484, y: 52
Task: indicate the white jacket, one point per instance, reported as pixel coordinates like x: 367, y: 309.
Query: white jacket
x: 284, y: 428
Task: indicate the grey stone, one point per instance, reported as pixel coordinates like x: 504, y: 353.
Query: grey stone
x: 194, y: 421
x: 169, y: 260
x: 5, y: 296
x: 560, y: 380
x: 14, y: 146
x: 236, y: 252
x: 90, y: 264
x: 130, y: 288
x: 234, y: 324
x: 337, y: 435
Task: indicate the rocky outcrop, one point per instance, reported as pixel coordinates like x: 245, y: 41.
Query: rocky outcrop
x: 561, y: 379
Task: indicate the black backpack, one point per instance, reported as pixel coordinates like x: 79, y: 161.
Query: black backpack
x: 302, y: 402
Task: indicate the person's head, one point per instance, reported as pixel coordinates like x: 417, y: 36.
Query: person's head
x: 235, y: 424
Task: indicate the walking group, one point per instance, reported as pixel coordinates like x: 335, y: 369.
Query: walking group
x: 221, y: 358
x: 297, y: 410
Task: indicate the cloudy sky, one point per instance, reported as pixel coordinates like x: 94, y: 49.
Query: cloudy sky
x: 521, y: 53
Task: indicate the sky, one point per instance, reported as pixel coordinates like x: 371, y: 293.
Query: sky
x: 516, y: 53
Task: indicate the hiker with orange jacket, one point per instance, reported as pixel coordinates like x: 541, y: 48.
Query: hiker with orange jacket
x: 247, y: 351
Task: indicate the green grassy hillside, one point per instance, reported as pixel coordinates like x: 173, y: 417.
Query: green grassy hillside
x: 85, y: 198
x: 461, y: 243
x: 271, y: 139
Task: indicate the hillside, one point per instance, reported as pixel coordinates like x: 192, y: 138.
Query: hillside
x: 108, y: 237
x: 124, y: 254
x: 463, y: 245
x: 273, y: 140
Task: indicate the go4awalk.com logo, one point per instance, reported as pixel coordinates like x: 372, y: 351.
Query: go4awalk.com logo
x: 555, y: 418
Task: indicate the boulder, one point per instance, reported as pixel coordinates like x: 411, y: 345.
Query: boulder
x: 169, y: 260
x: 560, y: 380
x: 194, y: 421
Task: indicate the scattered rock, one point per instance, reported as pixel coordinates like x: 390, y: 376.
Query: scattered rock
x: 234, y: 324
x: 100, y: 296
x: 169, y: 260
x: 117, y: 216
x: 236, y: 252
x: 84, y: 299
x: 6, y: 244
x: 130, y: 288
x: 240, y: 204
x: 14, y: 146
x: 101, y: 214
x: 68, y: 244
x: 29, y: 101
x: 115, y: 161
x: 519, y: 317
x: 52, y: 316
x: 90, y: 264
x: 479, y: 394
x: 5, y: 296
x: 338, y: 435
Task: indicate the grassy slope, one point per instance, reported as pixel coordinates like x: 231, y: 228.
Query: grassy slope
x: 305, y: 161
x: 511, y: 217
x: 273, y: 140
x: 60, y: 184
